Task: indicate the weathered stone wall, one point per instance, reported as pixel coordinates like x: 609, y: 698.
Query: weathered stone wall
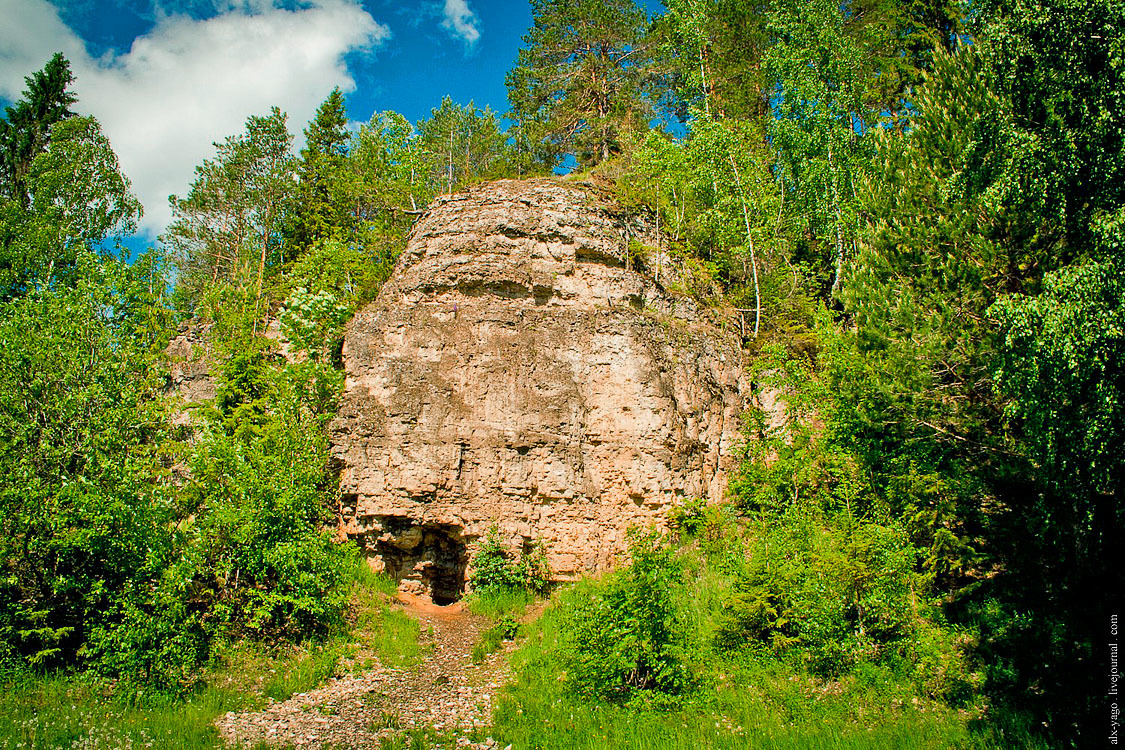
x: 514, y: 371
x: 190, y: 363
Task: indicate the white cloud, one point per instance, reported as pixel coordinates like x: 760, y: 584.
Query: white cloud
x: 461, y: 22
x: 189, y: 82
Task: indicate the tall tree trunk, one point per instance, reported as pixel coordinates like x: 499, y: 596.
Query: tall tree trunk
x: 750, y: 245
x: 839, y: 225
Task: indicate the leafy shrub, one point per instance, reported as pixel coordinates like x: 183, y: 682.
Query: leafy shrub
x: 495, y: 567
x: 310, y: 321
x: 688, y: 519
x: 628, y: 642
x: 80, y: 520
x: 534, y: 569
x: 251, y: 557
x: 263, y: 550
x: 838, y: 593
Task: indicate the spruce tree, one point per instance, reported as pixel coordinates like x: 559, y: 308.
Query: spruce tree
x: 319, y: 214
x: 26, y: 131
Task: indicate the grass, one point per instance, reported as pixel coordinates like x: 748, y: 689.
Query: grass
x: 425, y: 739
x: 80, y: 711
x: 70, y: 712
x: 305, y: 668
x: 504, y: 606
x: 387, y: 633
x: 499, y: 601
x: 748, y: 700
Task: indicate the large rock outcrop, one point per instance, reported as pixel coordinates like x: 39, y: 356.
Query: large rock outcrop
x: 517, y: 370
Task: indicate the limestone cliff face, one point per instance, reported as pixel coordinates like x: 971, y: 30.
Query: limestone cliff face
x: 515, y: 371
x: 190, y: 364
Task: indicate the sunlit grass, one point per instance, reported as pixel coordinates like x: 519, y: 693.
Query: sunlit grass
x: 499, y: 601
x: 81, y: 711
x: 379, y: 629
x: 745, y: 702
x: 69, y: 712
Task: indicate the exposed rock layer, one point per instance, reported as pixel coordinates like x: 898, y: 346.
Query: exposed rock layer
x: 517, y: 370
x: 190, y: 361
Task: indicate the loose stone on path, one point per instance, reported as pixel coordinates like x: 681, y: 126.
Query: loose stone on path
x: 446, y: 691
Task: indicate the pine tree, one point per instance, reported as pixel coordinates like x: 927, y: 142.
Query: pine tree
x: 578, y: 84
x: 320, y: 213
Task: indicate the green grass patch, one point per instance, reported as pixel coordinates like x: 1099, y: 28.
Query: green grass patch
x: 379, y: 629
x: 395, y: 640
x: 505, y: 629
x: 83, y: 711
x: 62, y: 711
x: 751, y: 698
x: 497, y: 601
x: 426, y: 739
x: 504, y: 605
x: 306, y: 669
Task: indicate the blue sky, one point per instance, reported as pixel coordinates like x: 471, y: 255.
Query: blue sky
x: 166, y: 78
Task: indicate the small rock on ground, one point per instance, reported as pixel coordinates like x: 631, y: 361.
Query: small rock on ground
x: 446, y: 691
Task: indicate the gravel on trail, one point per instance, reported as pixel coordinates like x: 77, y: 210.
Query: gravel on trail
x: 445, y: 691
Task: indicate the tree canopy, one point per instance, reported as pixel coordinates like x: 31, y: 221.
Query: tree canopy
x: 578, y: 82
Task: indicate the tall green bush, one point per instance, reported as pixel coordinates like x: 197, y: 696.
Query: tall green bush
x: 80, y: 516
x: 628, y: 642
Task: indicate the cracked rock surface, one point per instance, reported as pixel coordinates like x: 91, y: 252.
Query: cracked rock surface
x: 528, y: 365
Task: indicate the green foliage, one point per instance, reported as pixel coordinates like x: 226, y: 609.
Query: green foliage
x: 76, y: 198
x: 25, y: 131
x: 820, y: 119
x: 228, y: 227
x: 499, y: 601
x: 712, y: 52
x: 690, y: 518
x: 1063, y: 373
x: 842, y: 593
x: 717, y: 198
x: 625, y: 643
x: 320, y: 213
x: 311, y: 321
x: 505, y: 629
x: 847, y: 559
x: 388, y: 173
x: 493, y: 566
x: 740, y: 698
x: 975, y: 389
x: 130, y: 548
x: 463, y: 145
x: 1051, y: 159
x: 252, y: 559
x: 576, y: 88
x: 58, y: 710
x: 496, y: 568
x: 81, y: 518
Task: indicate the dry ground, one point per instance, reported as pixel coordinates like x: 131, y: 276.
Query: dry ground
x: 445, y: 691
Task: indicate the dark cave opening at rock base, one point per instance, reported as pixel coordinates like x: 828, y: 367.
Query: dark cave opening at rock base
x: 427, y: 559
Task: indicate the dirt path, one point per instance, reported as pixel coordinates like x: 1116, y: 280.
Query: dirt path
x: 445, y: 691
